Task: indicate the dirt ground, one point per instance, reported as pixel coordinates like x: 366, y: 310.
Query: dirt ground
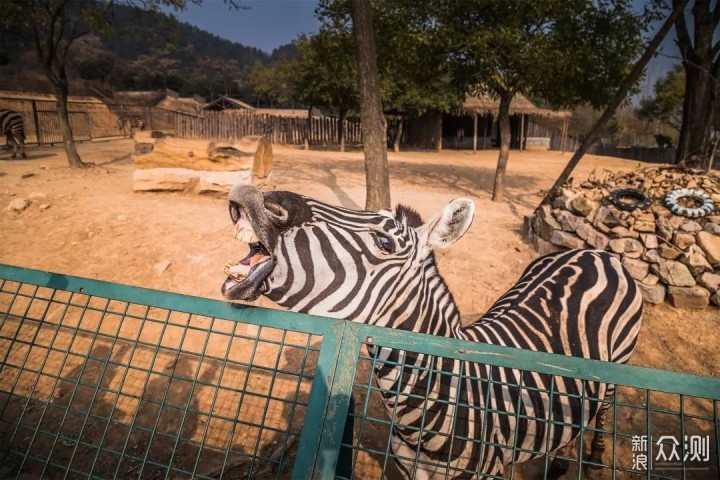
x: 95, y: 226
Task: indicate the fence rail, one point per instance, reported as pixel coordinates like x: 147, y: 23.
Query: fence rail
x: 284, y: 130
x: 105, y: 380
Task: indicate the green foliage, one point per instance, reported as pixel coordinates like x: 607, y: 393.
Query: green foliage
x: 325, y: 74
x: 568, y: 52
x: 666, y: 106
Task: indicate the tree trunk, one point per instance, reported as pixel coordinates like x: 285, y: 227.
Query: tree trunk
x: 341, y: 130
x: 504, y: 125
x: 65, y: 129
x: 617, y: 99
x: 373, y: 121
x: 700, y: 83
x: 398, y: 136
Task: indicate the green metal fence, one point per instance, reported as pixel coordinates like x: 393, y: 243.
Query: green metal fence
x: 100, y: 380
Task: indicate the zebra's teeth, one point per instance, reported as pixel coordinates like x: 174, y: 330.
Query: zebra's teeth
x: 247, y: 236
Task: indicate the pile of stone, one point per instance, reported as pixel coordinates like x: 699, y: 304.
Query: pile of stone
x: 672, y: 258
x: 165, y: 163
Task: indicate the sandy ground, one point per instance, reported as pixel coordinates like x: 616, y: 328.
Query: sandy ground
x: 95, y: 226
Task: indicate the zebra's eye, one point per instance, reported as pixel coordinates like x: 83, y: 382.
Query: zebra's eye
x: 384, y: 242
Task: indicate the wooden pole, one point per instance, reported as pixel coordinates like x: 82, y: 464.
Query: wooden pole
x: 475, y: 134
x: 488, y: 120
x: 522, y: 131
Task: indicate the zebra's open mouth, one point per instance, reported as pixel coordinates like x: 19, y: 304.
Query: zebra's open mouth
x: 246, y: 276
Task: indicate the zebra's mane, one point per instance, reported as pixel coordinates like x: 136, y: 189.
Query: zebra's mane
x: 409, y: 216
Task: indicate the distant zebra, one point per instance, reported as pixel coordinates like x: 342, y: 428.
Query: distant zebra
x: 126, y: 124
x: 12, y: 126
x: 380, y: 269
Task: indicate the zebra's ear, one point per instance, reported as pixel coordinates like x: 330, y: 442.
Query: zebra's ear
x: 448, y: 226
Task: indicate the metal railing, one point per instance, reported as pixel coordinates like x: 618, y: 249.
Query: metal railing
x: 101, y: 380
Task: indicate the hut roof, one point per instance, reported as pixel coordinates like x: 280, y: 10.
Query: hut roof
x: 227, y: 103
x: 483, y: 103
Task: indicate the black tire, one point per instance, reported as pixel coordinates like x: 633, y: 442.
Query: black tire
x: 641, y: 199
x: 671, y: 202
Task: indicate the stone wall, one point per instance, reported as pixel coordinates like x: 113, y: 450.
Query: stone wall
x: 164, y: 163
x: 673, y: 258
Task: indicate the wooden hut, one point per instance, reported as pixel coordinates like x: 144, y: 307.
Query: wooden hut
x: 474, y: 124
x: 227, y: 103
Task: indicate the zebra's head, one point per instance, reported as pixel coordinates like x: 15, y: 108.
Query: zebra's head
x: 317, y: 258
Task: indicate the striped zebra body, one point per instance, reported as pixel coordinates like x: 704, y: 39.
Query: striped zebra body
x: 379, y: 269
x: 12, y: 126
x: 127, y: 124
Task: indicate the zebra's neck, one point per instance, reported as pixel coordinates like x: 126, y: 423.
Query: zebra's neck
x: 424, y: 305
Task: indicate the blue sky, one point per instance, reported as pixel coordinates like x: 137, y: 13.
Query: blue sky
x: 265, y: 24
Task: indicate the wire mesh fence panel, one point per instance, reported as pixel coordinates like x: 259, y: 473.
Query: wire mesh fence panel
x: 100, y: 380
x: 93, y: 387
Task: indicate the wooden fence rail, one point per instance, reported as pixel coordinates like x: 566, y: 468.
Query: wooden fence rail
x: 283, y: 130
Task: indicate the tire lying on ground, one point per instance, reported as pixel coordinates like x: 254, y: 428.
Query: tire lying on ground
x: 705, y: 208
x: 639, y: 199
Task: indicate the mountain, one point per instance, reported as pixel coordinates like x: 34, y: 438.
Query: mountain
x: 144, y: 50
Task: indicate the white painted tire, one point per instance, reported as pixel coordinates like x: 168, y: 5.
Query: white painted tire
x: 671, y: 202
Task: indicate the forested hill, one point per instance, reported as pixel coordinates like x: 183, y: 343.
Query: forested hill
x: 144, y: 50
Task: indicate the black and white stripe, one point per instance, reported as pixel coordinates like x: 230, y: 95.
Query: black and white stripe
x: 126, y: 124
x: 12, y: 126
x: 380, y: 269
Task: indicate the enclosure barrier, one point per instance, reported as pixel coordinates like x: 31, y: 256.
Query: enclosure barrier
x: 101, y: 380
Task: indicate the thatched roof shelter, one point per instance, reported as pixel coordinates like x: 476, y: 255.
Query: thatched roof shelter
x: 227, y: 103
x: 482, y: 104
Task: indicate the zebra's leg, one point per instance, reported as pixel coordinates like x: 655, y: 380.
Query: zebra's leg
x: 22, y: 150
x: 559, y: 466
x: 597, y: 447
x: 10, y: 140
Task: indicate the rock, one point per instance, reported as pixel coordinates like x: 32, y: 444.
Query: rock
x: 568, y: 221
x: 713, y: 228
x: 161, y: 266
x: 547, y: 224
x: 695, y: 260
x: 641, y: 216
x: 654, y: 294
x: 649, y: 240
x: 566, y: 239
x: 640, y: 226
x: 669, y: 252
x: 715, y: 298
x: 44, y: 206
x: 592, y: 236
x: 562, y: 202
x: 622, y: 232
x: 18, y: 205
x: 263, y: 162
x: 676, y: 221
x: 690, y: 227
x: 651, y: 279
x: 604, y: 215
x: 543, y: 247
x: 683, y: 240
x: 637, y: 268
x: 664, y: 229
x: 27, y: 175
x: 583, y: 206
x: 688, y: 297
x: 651, y: 256
x: 711, y: 281
x: 710, y: 244
x: 121, y: 218
x: 627, y: 246
x: 37, y: 196
x: 673, y: 273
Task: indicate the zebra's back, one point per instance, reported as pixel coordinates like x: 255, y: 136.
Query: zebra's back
x: 580, y: 303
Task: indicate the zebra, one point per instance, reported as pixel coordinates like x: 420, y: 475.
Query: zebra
x: 126, y: 124
x: 379, y: 268
x: 12, y: 126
